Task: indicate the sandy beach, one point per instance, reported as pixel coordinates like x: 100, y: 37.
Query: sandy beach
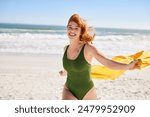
x: 36, y: 77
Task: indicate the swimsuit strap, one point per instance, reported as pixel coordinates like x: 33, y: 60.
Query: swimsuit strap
x: 80, y: 55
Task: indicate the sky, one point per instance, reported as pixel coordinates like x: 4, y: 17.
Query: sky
x: 133, y: 14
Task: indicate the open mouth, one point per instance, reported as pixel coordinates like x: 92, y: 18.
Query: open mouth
x: 72, y: 34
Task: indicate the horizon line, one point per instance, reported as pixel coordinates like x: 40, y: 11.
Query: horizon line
x: 65, y: 26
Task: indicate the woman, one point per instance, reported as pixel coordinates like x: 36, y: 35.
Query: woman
x: 77, y: 61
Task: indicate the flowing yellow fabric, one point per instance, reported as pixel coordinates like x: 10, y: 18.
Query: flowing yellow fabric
x: 102, y: 72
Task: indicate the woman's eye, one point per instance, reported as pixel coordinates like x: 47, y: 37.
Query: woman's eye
x: 76, y: 28
x: 69, y: 28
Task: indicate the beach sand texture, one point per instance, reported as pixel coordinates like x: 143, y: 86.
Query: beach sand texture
x: 37, y: 77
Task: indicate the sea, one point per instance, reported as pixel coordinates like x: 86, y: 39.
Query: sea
x: 51, y: 39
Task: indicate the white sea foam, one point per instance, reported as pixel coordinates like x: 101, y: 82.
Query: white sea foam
x: 53, y: 41
x: 123, y: 45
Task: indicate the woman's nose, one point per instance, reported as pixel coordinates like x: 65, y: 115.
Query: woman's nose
x: 72, y: 30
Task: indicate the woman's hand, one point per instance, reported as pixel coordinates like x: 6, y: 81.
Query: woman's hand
x: 135, y: 64
x: 62, y: 73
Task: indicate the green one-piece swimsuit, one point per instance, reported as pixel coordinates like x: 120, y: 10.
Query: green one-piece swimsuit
x: 78, y: 81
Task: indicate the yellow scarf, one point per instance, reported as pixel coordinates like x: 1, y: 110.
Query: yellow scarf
x: 102, y: 72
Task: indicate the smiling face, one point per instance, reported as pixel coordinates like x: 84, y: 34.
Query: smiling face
x: 78, y: 30
x: 73, y: 31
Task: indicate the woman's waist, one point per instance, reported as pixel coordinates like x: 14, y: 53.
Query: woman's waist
x: 79, y: 82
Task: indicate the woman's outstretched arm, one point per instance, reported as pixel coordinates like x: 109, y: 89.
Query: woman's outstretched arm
x: 113, y: 64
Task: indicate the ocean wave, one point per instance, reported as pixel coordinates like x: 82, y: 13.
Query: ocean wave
x: 52, y: 40
x: 18, y: 31
x: 29, y: 36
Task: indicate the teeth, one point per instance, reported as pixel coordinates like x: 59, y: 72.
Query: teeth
x: 72, y: 34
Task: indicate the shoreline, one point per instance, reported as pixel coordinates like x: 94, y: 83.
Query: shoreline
x: 27, y: 54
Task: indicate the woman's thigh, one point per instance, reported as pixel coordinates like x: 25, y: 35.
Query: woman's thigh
x: 91, y: 94
x: 67, y: 95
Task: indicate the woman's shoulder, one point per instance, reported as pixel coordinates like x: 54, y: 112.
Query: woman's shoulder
x: 90, y: 47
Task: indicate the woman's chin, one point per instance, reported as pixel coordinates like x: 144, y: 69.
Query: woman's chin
x: 72, y: 38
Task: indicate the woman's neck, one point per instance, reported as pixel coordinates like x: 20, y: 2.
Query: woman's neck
x: 76, y: 44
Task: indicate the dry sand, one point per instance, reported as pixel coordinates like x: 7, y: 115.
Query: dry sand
x: 36, y: 77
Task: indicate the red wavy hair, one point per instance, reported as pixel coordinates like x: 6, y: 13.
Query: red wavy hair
x: 85, y: 30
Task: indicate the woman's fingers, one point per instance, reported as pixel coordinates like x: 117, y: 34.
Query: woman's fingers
x: 138, y: 64
x: 62, y: 73
x: 135, y: 64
